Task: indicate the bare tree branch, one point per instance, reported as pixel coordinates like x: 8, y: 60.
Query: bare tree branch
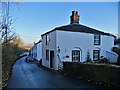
x: 6, y: 21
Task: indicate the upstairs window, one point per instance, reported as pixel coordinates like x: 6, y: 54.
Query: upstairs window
x: 47, y: 39
x: 96, y: 39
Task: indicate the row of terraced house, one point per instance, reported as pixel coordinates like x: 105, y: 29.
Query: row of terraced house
x: 71, y: 43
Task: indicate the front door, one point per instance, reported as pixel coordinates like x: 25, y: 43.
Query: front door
x: 51, y: 58
x: 75, y: 56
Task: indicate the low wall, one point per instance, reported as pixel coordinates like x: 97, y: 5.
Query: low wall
x: 100, y: 73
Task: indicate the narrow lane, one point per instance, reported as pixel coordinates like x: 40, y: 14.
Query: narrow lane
x: 28, y: 75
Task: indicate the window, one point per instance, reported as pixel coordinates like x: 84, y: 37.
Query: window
x: 47, y: 54
x: 96, y: 55
x: 47, y: 39
x: 75, y: 55
x: 96, y: 39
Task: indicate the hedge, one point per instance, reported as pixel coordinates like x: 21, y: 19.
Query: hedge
x: 95, y: 72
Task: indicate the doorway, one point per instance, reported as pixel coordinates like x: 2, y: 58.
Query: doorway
x: 51, y: 58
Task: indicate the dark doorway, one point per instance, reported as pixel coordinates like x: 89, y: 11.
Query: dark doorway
x: 51, y: 58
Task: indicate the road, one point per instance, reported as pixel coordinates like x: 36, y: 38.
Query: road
x: 29, y: 75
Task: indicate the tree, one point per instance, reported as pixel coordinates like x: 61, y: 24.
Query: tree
x: 11, y: 44
x: 6, y: 22
x: 117, y: 50
x: 10, y: 53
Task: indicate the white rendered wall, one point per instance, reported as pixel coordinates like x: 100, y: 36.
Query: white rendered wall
x: 51, y: 46
x: 112, y: 56
x: 39, y: 51
x: 107, y: 42
x: 67, y: 41
x: 34, y: 51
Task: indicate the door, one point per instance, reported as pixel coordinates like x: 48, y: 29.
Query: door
x: 51, y: 58
x: 75, y: 56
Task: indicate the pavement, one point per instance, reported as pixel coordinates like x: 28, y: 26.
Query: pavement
x: 29, y: 75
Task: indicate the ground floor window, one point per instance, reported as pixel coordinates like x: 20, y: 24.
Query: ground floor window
x: 36, y: 54
x: 96, y: 55
x: 75, y: 55
x: 47, y: 54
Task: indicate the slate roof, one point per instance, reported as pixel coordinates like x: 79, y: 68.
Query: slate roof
x: 38, y: 42
x: 79, y: 28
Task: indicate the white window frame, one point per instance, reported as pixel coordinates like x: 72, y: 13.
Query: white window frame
x: 96, y: 39
x: 96, y: 54
x: 75, y: 55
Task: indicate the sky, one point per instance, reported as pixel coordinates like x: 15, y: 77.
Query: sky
x: 35, y: 18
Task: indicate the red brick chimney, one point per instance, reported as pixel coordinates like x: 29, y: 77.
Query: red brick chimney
x: 74, y: 18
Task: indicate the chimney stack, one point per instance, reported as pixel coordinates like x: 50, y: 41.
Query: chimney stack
x: 74, y: 18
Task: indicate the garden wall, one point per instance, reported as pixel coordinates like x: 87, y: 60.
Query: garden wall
x: 94, y: 72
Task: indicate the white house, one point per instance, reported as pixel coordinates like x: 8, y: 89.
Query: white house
x: 72, y: 42
x: 39, y: 50
x: 36, y: 51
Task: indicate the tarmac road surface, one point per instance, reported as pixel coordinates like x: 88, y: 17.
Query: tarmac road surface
x: 29, y: 75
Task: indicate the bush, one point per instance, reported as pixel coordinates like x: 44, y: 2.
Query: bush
x: 94, y: 72
x: 117, y: 50
x: 10, y: 53
x: 102, y: 60
x: 88, y: 59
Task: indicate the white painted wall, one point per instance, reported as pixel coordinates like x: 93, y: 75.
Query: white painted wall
x: 112, y: 56
x: 39, y: 51
x: 67, y: 41
x: 33, y: 52
x: 51, y: 46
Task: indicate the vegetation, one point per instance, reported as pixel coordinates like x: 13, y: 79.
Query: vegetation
x: 117, y: 50
x: 99, y: 73
x: 88, y: 59
x: 10, y: 52
x: 10, y: 45
x: 102, y: 60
